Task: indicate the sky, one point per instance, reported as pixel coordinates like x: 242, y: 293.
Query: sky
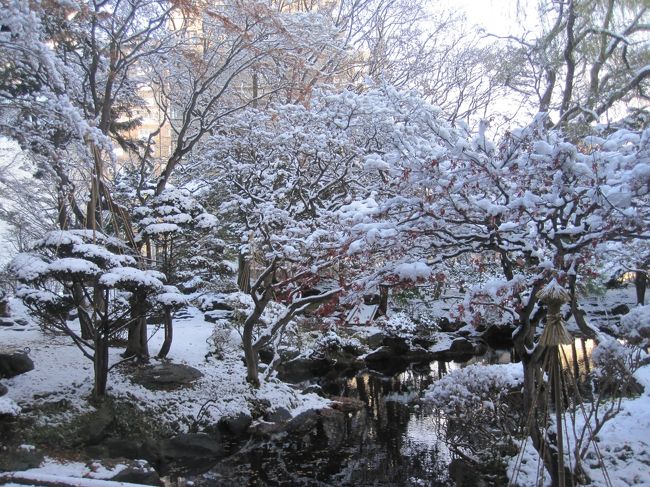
x: 8, y: 151
x: 496, y: 16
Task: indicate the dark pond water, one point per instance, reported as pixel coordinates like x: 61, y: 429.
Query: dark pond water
x: 391, y: 441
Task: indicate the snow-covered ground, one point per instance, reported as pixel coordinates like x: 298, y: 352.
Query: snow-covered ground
x: 623, y: 444
x: 62, y: 372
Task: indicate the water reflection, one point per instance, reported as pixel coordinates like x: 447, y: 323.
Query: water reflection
x: 576, y: 357
x: 391, y: 441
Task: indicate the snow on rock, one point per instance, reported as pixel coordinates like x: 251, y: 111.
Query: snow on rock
x: 8, y: 407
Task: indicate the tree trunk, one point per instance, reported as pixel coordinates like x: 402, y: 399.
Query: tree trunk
x: 250, y: 355
x: 640, y: 283
x: 101, y: 365
x: 383, y: 299
x: 137, y: 332
x: 143, y: 356
x: 533, y: 407
x: 243, y: 274
x: 85, y: 321
x: 169, y: 334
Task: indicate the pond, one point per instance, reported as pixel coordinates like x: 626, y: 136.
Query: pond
x: 391, y: 441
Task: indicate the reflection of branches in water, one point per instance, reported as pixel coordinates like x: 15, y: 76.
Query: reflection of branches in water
x: 385, y: 440
x: 385, y: 443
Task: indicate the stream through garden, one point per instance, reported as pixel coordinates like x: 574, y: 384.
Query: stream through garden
x: 392, y: 440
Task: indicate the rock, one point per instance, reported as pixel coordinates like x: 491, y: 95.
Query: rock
x: 139, y: 472
x: 386, y: 360
x: 460, y: 349
x: 465, y: 332
x: 314, y: 389
x: 375, y: 341
x: 448, y: 326
x: 96, y: 429
x: 215, y: 302
x: 266, y: 355
x: 418, y: 354
x: 134, y: 450
x: 6, y: 322
x: 333, y: 422
x: 166, y: 376
x: 347, y: 404
x: 381, y: 354
x: 278, y: 415
x: 4, y: 304
x: 263, y: 429
x: 3, y: 390
x: 303, y: 423
x: 235, y: 425
x: 461, y: 346
x: 216, y: 315
x: 423, y: 342
x: 14, y: 364
x: 303, y: 368
x: 259, y: 407
x: 480, y: 347
x: 183, y: 314
x: 398, y: 344
x: 621, y: 309
x: 191, y: 450
x: 465, y: 474
x: 20, y: 458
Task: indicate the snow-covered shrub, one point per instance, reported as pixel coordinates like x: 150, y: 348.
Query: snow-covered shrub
x: 331, y: 342
x: 614, y: 366
x: 400, y: 324
x: 635, y: 326
x: 481, y: 404
x: 474, y: 387
x: 222, y: 340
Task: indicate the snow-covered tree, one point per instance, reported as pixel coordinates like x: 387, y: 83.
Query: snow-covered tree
x: 535, y: 208
x: 95, y: 275
x: 180, y: 237
x: 287, y: 172
x: 590, y: 56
